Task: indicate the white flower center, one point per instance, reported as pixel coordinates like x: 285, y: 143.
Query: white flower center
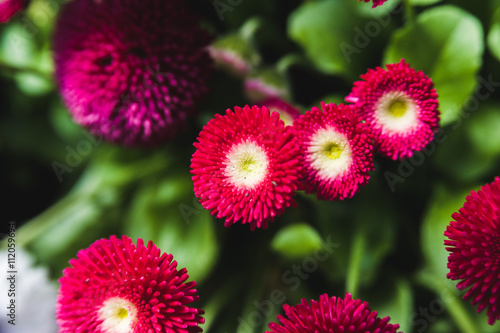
x: 118, y: 316
x: 330, y: 153
x: 396, y: 112
x: 246, y: 165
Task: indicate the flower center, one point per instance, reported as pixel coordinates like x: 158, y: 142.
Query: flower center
x: 398, y: 108
x: 246, y: 165
x: 118, y: 316
x: 396, y: 112
x: 333, y: 150
x: 329, y: 153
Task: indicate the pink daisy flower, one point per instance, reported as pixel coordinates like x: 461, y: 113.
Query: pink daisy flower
x: 117, y: 287
x: 9, y: 7
x: 474, y: 246
x: 375, y: 2
x: 288, y: 113
x: 332, y: 315
x: 130, y: 70
x: 246, y: 167
x: 337, y: 149
x: 400, y: 105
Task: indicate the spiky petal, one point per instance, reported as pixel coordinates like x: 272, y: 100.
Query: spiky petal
x: 246, y: 166
x: 115, y: 286
x: 10, y: 7
x: 337, y: 150
x: 131, y: 71
x: 474, y: 246
x: 331, y: 315
x: 400, y: 105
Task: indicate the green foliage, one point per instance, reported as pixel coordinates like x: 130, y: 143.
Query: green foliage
x: 494, y: 35
x: 385, y: 245
x: 297, y: 241
x: 447, y: 44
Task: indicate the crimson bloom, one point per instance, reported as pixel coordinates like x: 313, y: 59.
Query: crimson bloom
x: 375, y: 2
x: 246, y: 167
x: 9, y: 7
x: 474, y: 246
x: 116, y: 287
x: 331, y: 315
x: 337, y: 150
x: 131, y: 71
x: 400, y: 105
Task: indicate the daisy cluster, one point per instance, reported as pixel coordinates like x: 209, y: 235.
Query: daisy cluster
x: 132, y: 73
x: 249, y: 163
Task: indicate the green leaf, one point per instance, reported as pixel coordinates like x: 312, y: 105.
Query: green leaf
x: 483, y: 129
x: 494, y: 35
x: 324, y: 29
x: 373, y: 236
x: 447, y: 44
x: 396, y: 302
x: 443, y: 203
x: 423, y: 2
x: 166, y: 212
x: 457, y: 158
x: 297, y: 241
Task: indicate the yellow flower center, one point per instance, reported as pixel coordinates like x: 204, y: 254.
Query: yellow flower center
x: 118, y: 315
x: 333, y: 150
x: 398, y: 107
x: 122, y: 313
x: 246, y: 165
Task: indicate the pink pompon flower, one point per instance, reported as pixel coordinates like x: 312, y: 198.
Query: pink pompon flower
x: 337, y: 150
x: 115, y: 286
x: 246, y: 167
x: 375, y: 2
x: 288, y: 113
x: 474, y: 246
x: 9, y: 7
x: 131, y: 71
x: 400, y: 105
x: 331, y: 315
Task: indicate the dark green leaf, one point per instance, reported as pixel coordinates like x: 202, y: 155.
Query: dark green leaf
x: 447, y: 44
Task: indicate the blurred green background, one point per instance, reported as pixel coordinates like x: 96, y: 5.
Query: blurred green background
x: 384, y: 246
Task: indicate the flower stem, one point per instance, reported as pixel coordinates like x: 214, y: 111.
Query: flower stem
x: 354, y: 270
x: 409, y: 12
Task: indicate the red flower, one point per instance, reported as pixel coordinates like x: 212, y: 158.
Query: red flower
x: 337, y: 150
x: 400, y: 105
x: 115, y: 286
x: 474, y: 246
x: 246, y: 167
x: 130, y: 70
x: 375, y: 2
x: 331, y: 315
x: 287, y: 112
x: 9, y: 7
